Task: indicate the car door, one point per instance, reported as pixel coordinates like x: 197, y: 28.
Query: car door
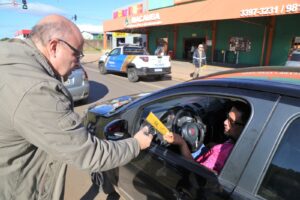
x: 273, y: 170
x: 112, y: 60
x: 168, y: 174
x: 161, y: 172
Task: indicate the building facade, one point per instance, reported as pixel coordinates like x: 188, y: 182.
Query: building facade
x: 248, y: 33
x: 22, y: 34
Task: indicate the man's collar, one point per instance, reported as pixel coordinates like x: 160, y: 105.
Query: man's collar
x: 42, y: 59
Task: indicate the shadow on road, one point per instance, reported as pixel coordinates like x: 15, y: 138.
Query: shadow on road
x: 97, y: 92
x: 146, y: 79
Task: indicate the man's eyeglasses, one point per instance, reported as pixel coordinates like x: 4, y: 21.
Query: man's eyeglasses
x: 78, y: 54
x: 234, y: 122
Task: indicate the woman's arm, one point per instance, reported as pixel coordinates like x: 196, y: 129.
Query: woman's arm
x: 178, y: 140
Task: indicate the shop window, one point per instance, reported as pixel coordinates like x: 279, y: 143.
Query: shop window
x: 120, y: 41
x: 239, y: 44
x: 138, y: 41
x: 282, y: 180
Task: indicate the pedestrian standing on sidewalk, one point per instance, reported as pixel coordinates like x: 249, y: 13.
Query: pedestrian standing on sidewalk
x: 199, y: 59
x: 39, y: 131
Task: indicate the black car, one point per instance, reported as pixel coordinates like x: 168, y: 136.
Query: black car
x: 264, y: 163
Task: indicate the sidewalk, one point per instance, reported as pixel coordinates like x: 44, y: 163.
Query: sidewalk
x: 180, y: 69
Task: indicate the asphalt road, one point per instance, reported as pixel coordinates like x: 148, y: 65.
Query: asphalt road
x: 102, y: 88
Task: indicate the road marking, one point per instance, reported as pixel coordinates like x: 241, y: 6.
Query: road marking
x: 119, y: 77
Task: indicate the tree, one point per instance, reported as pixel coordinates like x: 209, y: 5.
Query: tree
x: 100, y: 37
x: 4, y: 39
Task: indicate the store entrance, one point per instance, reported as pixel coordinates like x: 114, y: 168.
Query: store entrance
x: 188, y: 43
x: 120, y: 41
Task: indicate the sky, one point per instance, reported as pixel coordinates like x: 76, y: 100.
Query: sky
x: 90, y: 13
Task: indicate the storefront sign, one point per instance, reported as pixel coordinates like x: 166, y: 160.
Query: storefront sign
x: 131, y: 10
x: 143, y: 20
x: 119, y: 34
x: 272, y: 10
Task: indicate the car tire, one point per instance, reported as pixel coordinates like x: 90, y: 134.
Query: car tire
x: 132, y: 75
x: 84, y: 101
x: 102, y: 68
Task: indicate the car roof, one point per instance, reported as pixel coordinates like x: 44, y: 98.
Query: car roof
x: 296, y: 51
x: 275, y: 79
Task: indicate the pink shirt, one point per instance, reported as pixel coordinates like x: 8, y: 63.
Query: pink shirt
x: 216, y: 157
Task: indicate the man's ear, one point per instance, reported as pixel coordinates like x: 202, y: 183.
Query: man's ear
x: 52, y: 48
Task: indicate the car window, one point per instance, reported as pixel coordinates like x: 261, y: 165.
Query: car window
x: 115, y: 52
x: 295, y: 57
x: 199, y: 119
x: 133, y: 51
x: 282, y: 180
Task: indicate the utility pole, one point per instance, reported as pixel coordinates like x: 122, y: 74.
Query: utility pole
x: 74, y: 17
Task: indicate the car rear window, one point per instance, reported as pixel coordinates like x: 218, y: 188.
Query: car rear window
x: 295, y: 57
x: 133, y: 51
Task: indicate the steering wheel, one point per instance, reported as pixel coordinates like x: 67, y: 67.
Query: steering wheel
x: 189, y: 125
x: 184, y: 121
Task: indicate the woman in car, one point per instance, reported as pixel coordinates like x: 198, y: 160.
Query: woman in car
x: 215, y: 157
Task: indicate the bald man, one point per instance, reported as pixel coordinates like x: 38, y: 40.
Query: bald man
x: 39, y: 131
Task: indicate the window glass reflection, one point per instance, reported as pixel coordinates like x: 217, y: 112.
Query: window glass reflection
x: 282, y: 180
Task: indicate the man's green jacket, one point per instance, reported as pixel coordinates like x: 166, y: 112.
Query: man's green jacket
x: 39, y: 131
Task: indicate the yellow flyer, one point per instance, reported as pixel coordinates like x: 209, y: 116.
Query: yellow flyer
x: 157, y: 124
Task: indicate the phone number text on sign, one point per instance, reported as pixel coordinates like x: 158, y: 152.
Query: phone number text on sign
x: 272, y: 10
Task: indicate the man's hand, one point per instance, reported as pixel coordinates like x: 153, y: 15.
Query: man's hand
x: 143, y: 137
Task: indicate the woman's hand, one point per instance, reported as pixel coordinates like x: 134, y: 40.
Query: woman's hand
x: 173, y: 138
x: 178, y: 140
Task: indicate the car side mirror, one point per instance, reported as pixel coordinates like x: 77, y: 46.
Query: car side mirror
x: 106, y: 53
x: 116, y: 130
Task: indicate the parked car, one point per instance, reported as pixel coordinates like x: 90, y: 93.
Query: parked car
x: 78, y: 84
x: 135, y: 62
x: 264, y: 163
x: 294, y: 59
